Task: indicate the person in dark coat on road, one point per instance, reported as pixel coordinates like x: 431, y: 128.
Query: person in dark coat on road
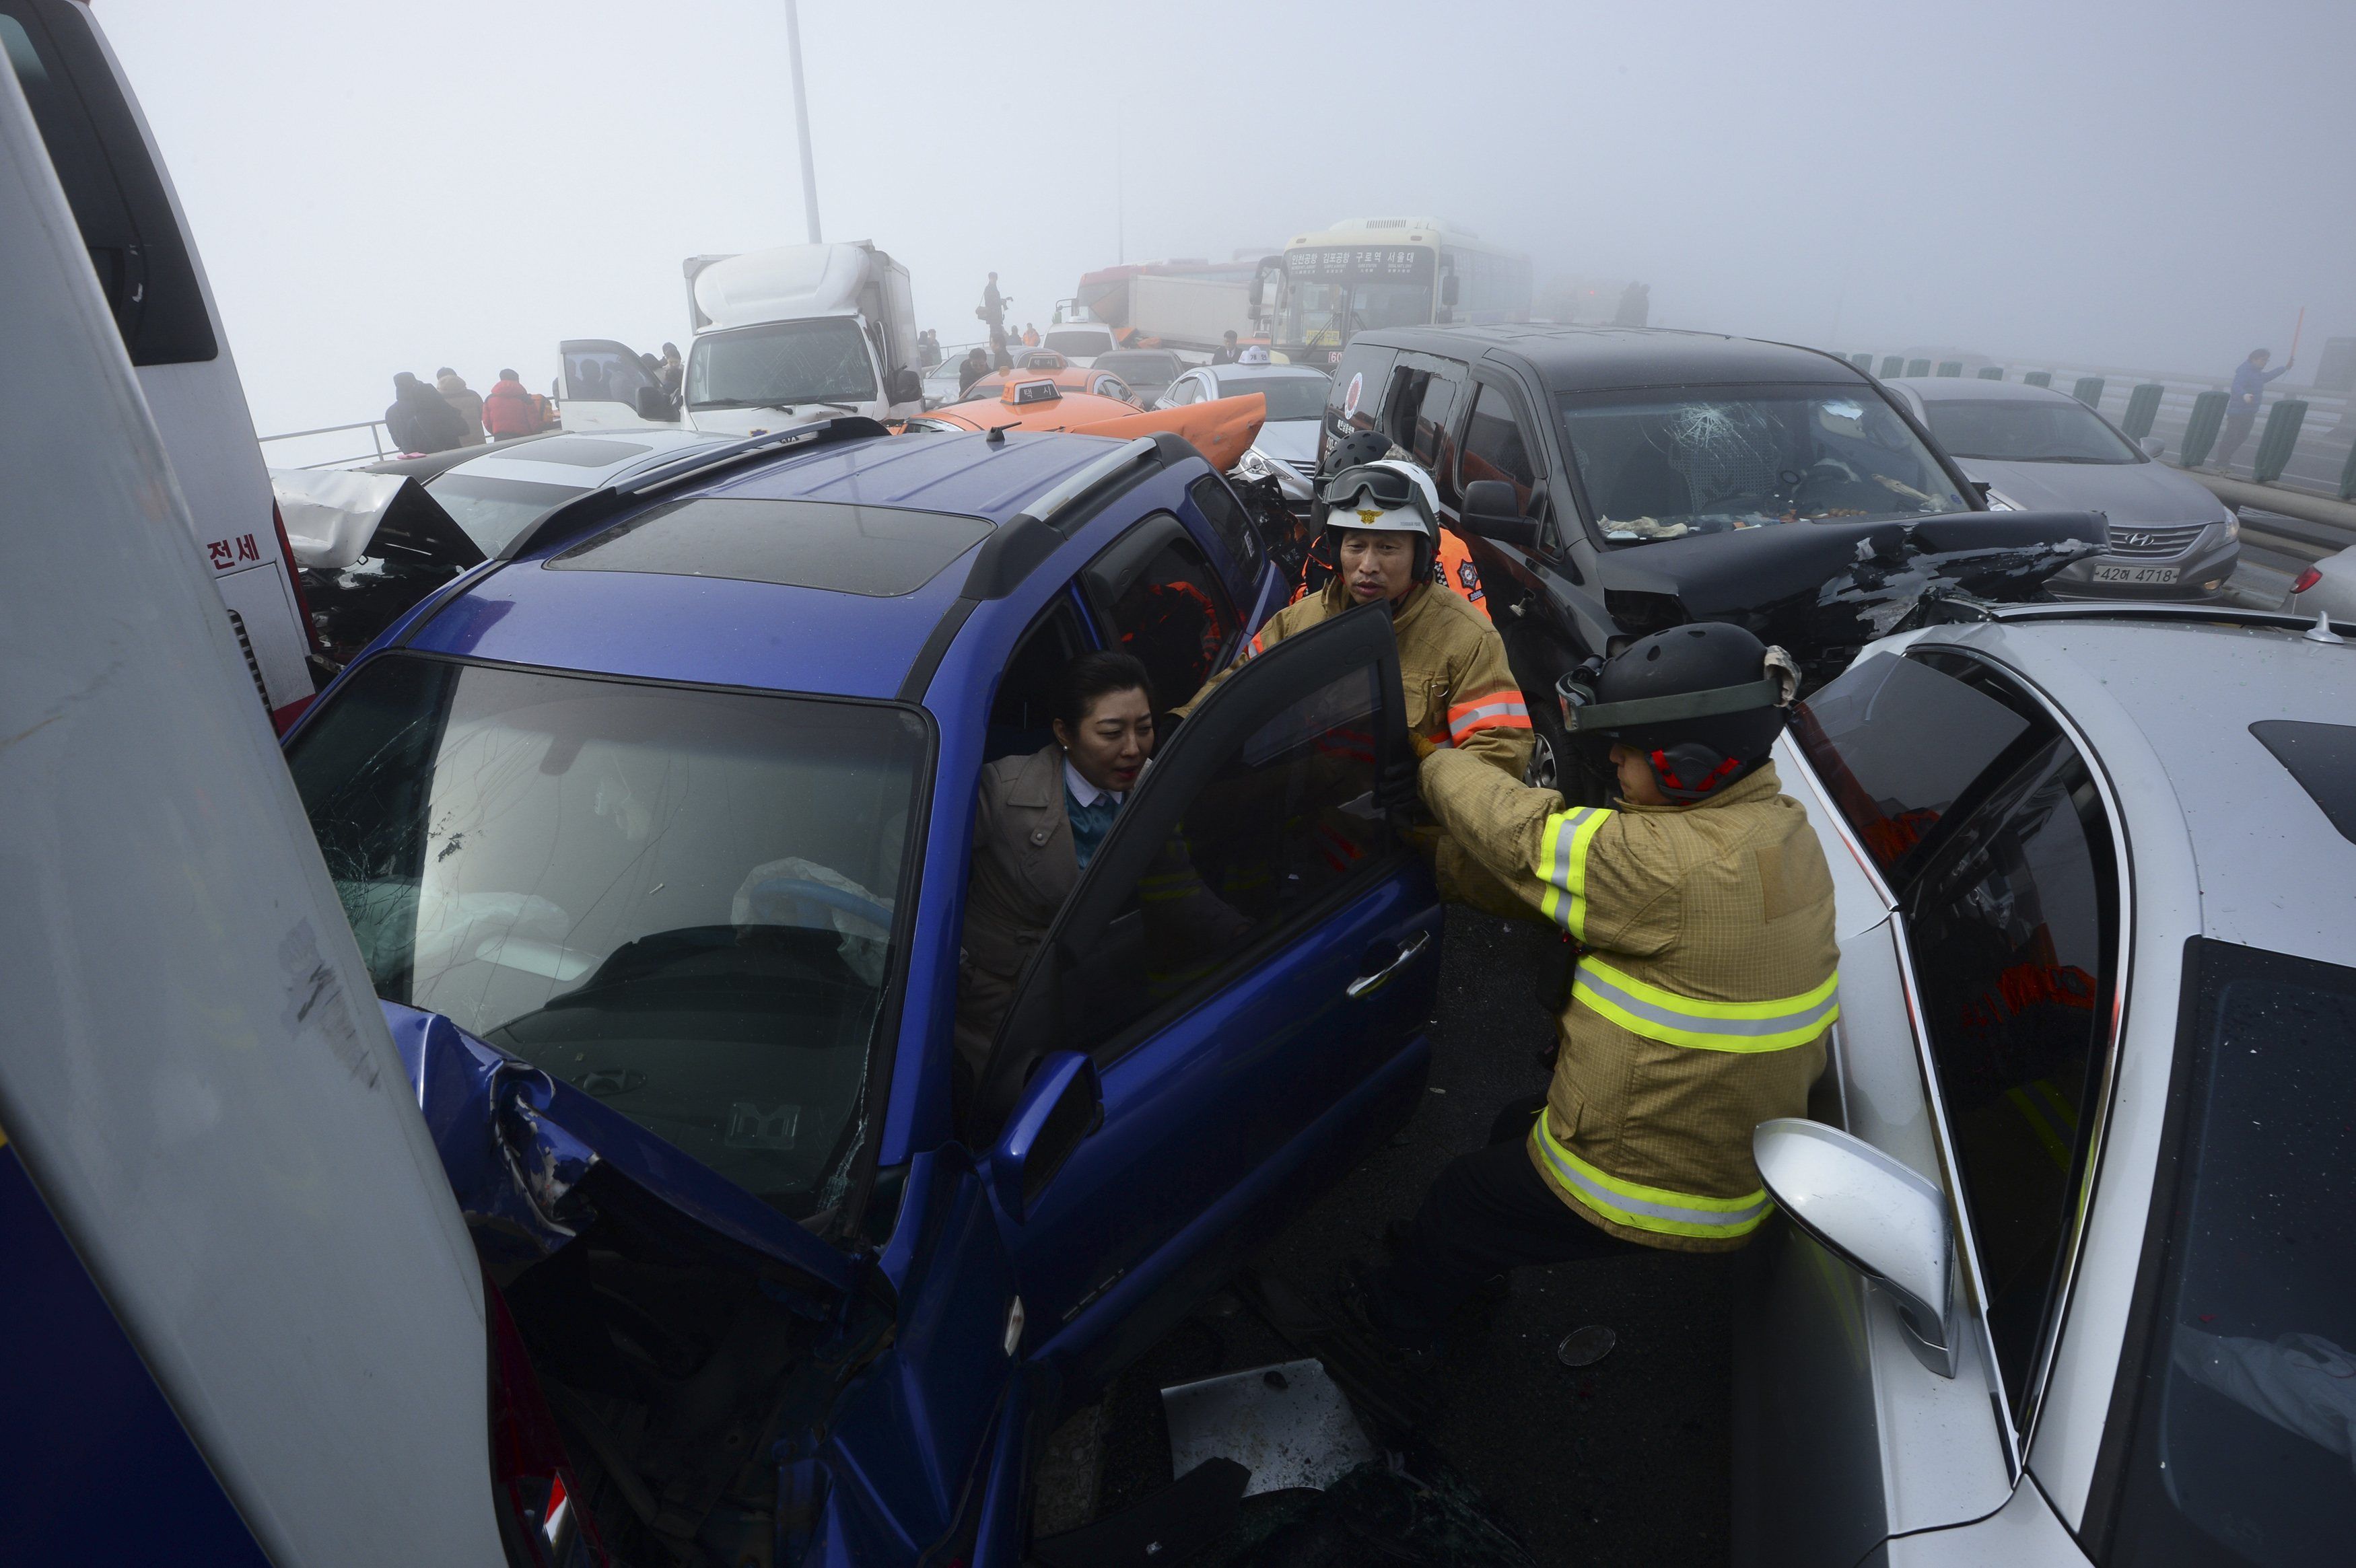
x: 994, y: 308
x: 418, y: 420
x: 972, y: 369
x: 1227, y: 352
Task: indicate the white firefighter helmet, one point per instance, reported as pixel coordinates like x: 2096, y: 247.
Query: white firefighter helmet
x: 1389, y: 495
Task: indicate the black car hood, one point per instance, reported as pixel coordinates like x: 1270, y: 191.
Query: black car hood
x: 1822, y: 590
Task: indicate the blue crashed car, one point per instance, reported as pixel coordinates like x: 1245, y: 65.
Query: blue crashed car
x: 655, y: 836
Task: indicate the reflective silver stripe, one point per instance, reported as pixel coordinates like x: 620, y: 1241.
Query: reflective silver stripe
x: 1563, y: 866
x: 1477, y: 716
x: 1776, y: 1024
x: 1646, y: 1208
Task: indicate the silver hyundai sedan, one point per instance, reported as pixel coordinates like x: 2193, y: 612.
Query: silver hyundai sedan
x: 2040, y: 449
x: 2065, y: 1266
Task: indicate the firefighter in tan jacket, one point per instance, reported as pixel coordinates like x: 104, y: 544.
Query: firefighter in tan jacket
x: 1703, y: 913
x: 1461, y: 694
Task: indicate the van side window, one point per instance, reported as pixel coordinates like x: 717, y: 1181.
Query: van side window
x: 1443, y: 389
x: 1495, y: 447
x: 110, y: 182
x: 1424, y: 395
x: 1355, y: 401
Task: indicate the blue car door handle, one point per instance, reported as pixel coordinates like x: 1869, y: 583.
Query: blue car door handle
x: 1381, y: 978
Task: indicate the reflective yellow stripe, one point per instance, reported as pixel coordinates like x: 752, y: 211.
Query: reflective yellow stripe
x: 1777, y: 1024
x: 1563, y: 866
x: 2049, y: 1117
x: 1657, y: 1209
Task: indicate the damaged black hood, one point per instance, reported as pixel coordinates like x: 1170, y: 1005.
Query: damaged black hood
x: 1824, y: 589
x: 370, y: 546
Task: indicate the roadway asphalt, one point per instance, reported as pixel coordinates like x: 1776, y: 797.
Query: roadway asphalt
x: 1582, y: 1465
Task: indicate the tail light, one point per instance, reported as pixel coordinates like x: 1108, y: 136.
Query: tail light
x: 2307, y: 579
x: 543, y: 1517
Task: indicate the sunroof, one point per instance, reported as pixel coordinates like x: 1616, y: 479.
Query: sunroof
x: 2323, y: 758
x: 581, y: 452
x: 880, y: 551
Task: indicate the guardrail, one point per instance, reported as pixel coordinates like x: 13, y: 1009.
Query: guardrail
x: 381, y: 443
x: 2310, y: 450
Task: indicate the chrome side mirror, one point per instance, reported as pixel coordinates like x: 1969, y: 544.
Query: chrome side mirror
x: 1874, y: 1215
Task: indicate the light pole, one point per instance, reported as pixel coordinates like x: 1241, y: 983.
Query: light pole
x: 801, y: 117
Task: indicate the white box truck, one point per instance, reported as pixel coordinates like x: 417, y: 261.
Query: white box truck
x: 781, y: 338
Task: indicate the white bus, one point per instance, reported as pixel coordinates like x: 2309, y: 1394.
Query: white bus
x: 1364, y: 274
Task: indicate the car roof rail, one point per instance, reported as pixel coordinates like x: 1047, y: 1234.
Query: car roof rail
x: 574, y: 517
x: 1013, y: 551
x: 2186, y: 613
x: 1061, y: 508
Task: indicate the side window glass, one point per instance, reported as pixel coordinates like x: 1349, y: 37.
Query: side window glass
x: 1493, y: 445
x: 602, y: 373
x: 1228, y: 520
x: 1286, y: 818
x: 1174, y: 616
x: 1184, y: 390
x: 1428, y: 437
x: 1355, y: 401
x: 1897, y: 743
x: 1021, y: 713
x: 111, y: 184
x: 2010, y: 932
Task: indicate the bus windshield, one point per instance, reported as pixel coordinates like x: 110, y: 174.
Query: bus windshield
x: 1333, y: 293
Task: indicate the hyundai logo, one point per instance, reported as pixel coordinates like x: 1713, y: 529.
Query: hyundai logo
x: 2135, y: 538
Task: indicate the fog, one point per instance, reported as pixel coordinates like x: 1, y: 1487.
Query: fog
x: 416, y: 183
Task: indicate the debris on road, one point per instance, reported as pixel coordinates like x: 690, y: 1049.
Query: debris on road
x: 1288, y: 1423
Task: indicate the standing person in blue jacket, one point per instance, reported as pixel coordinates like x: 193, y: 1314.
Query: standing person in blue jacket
x: 2250, y: 379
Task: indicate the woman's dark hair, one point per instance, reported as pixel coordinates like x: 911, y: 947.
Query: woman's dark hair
x: 1092, y: 675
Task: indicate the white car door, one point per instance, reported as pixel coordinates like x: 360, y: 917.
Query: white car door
x: 192, y: 1072
x: 598, y: 383
x: 1973, y: 871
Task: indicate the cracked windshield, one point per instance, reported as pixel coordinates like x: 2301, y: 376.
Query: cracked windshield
x: 1662, y: 469
x: 680, y: 901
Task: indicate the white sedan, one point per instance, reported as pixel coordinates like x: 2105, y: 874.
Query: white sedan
x: 1286, y: 448
x: 2066, y: 1266
x: 2327, y: 588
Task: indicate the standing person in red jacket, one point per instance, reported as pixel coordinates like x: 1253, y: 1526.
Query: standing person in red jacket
x: 508, y: 410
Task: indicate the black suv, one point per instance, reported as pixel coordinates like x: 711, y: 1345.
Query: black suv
x: 1610, y: 481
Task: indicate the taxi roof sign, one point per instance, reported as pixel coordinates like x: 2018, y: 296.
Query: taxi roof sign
x: 1018, y: 393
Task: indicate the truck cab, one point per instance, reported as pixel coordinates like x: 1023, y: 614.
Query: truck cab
x: 783, y: 337
x: 799, y: 333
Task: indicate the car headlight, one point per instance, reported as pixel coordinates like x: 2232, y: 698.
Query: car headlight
x: 1255, y: 464
x: 2232, y: 525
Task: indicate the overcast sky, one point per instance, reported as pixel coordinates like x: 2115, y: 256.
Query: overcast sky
x: 405, y: 184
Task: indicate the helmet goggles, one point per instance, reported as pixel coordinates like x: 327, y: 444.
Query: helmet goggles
x: 1386, y: 486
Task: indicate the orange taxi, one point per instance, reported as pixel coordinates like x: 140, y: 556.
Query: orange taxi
x: 1034, y: 364
x: 1222, y: 429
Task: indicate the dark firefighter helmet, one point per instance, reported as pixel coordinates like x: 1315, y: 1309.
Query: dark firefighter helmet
x: 1704, y: 704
